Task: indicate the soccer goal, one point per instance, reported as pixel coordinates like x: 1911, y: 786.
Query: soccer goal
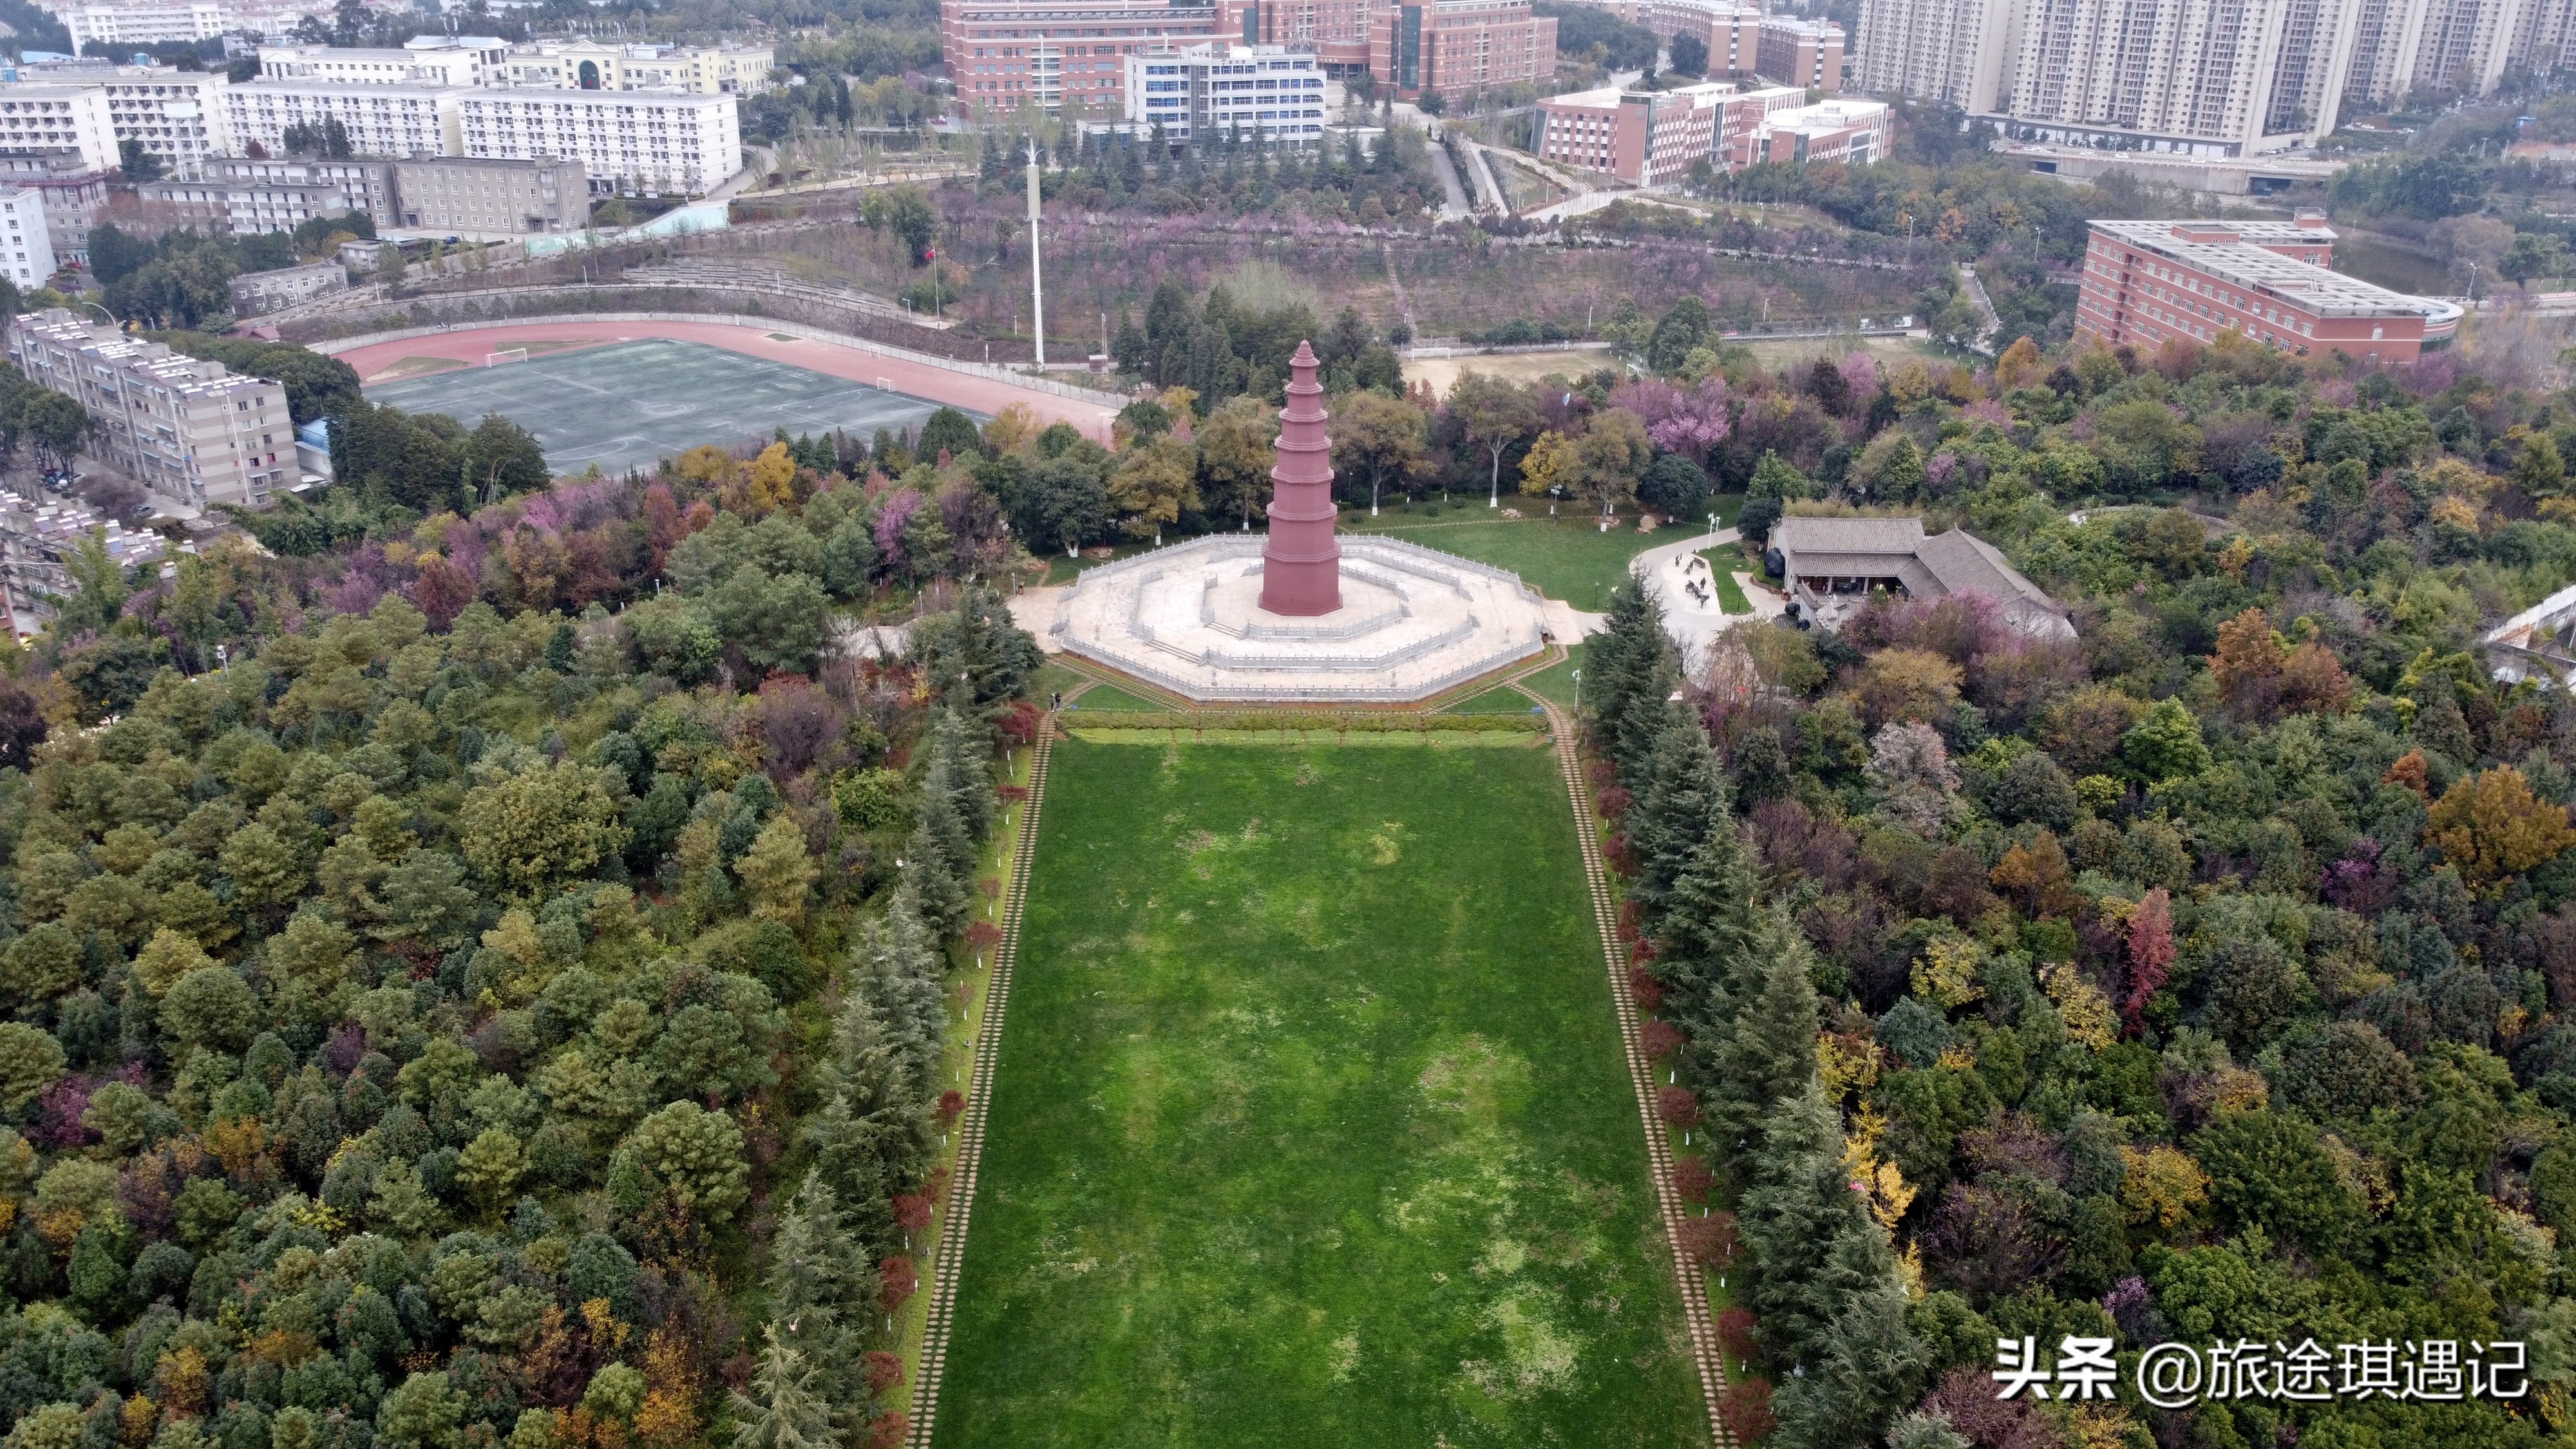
x: 506, y: 354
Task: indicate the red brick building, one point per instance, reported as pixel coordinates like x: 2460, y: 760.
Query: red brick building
x: 2149, y: 281
x: 1652, y: 138
x: 1743, y: 41
x: 1004, y: 54
x: 1458, y: 47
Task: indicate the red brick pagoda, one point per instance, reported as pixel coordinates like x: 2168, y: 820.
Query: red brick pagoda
x: 1301, y: 563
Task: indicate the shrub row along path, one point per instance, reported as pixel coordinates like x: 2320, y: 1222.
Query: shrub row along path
x: 1641, y: 1075
x: 979, y: 1090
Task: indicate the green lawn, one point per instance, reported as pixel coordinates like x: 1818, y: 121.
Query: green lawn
x: 1556, y: 682
x: 1311, y: 1127
x: 1110, y: 699
x: 1564, y: 558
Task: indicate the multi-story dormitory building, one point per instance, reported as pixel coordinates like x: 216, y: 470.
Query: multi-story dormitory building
x: 2150, y: 282
x: 2200, y: 77
x: 451, y: 99
x: 1051, y: 54
x: 185, y: 428
x: 1654, y: 138
x: 580, y: 65
x: 1207, y: 91
x: 651, y: 141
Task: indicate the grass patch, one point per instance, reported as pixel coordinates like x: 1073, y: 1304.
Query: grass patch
x: 1730, y: 594
x: 1311, y: 1127
x: 1555, y: 683
x: 1563, y: 558
x: 1502, y: 700
x: 1054, y: 678
x: 1110, y: 699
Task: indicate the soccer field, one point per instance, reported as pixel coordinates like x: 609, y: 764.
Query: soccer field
x: 628, y: 404
x: 1311, y: 1126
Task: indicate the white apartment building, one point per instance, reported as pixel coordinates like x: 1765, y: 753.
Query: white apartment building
x: 382, y: 120
x: 46, y: 116
x: 589, y: 65
x: 188, y: 429
x: 177, y: 115
x: 427, y: 61
x: 652, y: 141
x: 1205, y: 91
x: 147, y: 24
x: 26, y: 248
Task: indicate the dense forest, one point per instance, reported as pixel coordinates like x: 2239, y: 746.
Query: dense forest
x: 2203, y: 978
x: 445, y: 1012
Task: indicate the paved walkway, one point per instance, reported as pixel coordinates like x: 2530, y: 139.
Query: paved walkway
x: 1665, y: 569
x: 852, y: 359
x: 1453, y: 206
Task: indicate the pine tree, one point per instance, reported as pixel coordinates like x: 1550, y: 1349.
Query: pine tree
x: 1769, y: 1054
x: 782, y: 1411
x: 900, y: 972
x: 873, y: 1137
x: 1793, y: 1217
x: 1704, y: 941
x: 1869, y: 1367
x: 821, y: 1290
x: 1681, y: 798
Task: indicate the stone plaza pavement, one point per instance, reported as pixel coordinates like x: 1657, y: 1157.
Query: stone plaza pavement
x: 1413, y: 622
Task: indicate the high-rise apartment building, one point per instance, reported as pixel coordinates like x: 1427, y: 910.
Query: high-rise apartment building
x: 2199, y: 77
x: 183, y: 427
x: 1950, y: 52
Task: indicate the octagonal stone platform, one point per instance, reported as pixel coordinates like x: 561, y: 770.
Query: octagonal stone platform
x: 1413, y: 622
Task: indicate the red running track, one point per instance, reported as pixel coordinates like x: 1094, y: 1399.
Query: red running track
x: 470, y: 344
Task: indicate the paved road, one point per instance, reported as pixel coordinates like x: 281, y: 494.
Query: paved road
x: 1664, y: 569
x: 1455, y: 207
